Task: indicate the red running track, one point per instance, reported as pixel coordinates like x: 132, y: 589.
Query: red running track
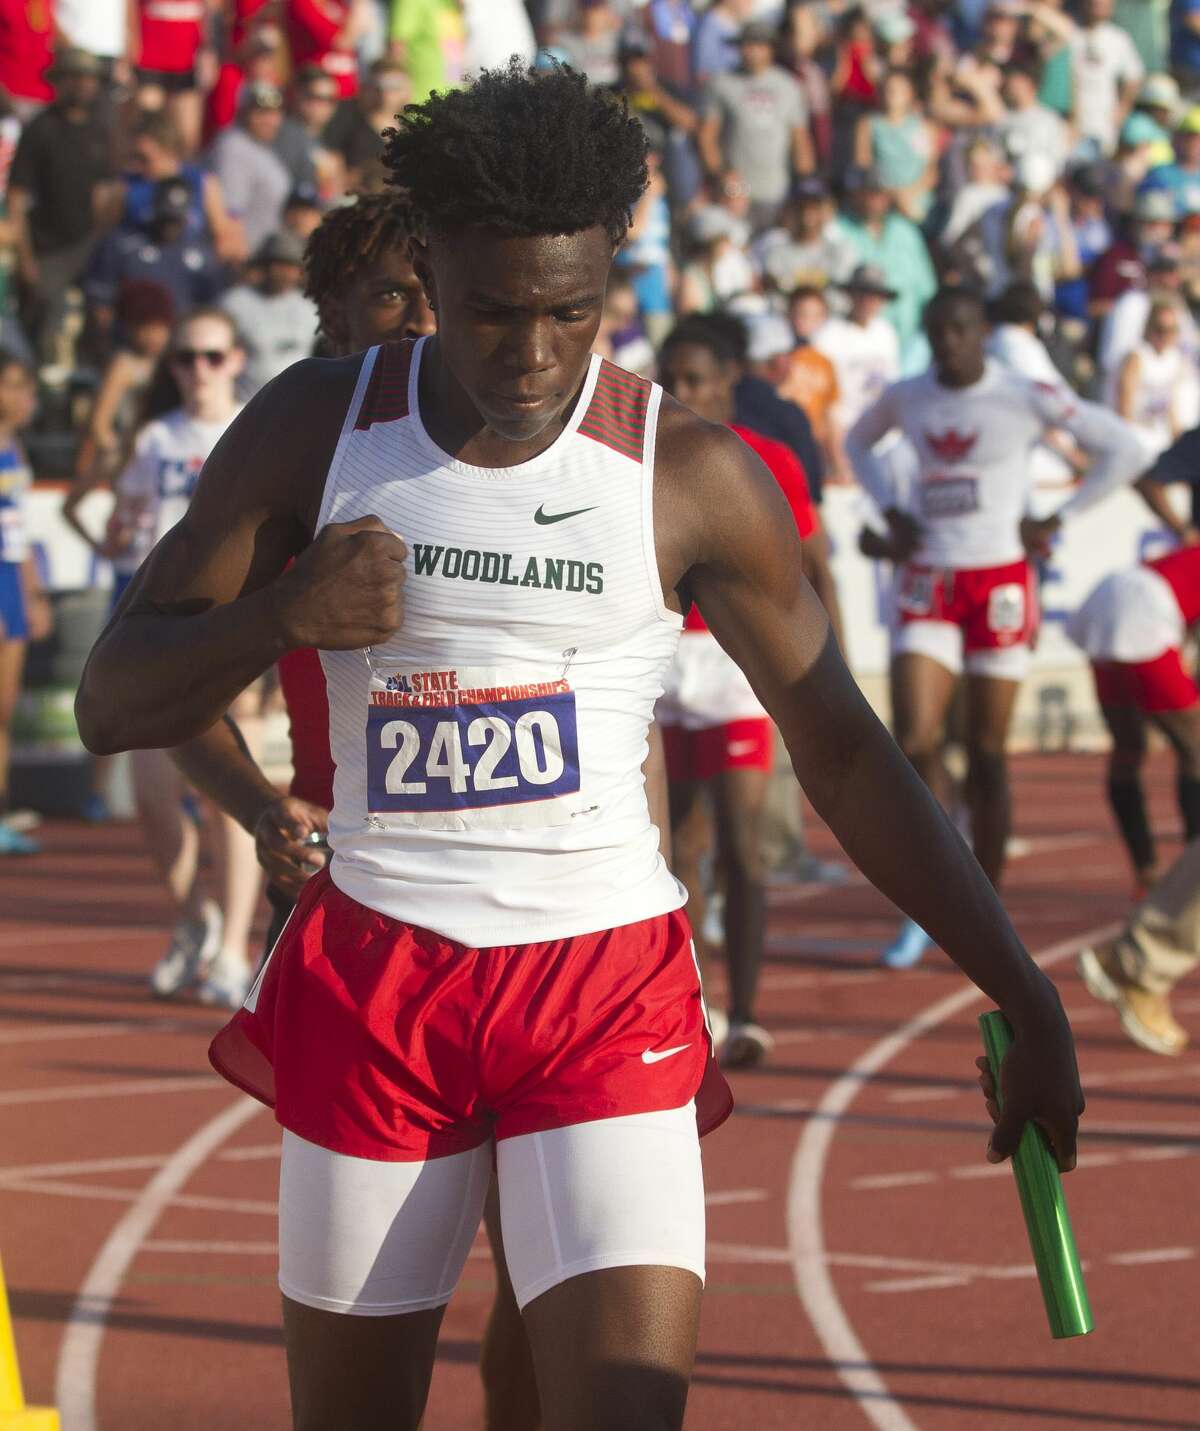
x: 137, y: 1191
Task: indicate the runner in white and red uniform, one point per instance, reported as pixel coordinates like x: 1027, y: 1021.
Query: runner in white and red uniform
x: 171, y: 35
x: 492, y: 536
x: 1133, y: 627
x: 965, y: 597
x: 717, y: 735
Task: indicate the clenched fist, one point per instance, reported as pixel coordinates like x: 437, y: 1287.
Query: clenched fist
x: 347, y: 590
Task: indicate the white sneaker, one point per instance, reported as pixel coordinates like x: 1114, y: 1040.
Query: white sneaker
x: 718, y: 1026
x: 746, y: 1045
x: 713, y: 930
x: 225, y: 985
x: 194, y: 944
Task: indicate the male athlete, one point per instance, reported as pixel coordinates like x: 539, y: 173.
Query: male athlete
x: 716, y: 733
x: 494, y: 535
x: 965, y: 597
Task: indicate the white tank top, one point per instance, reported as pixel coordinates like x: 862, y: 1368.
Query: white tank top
x: 1160, y: 377
x: 488, y: 782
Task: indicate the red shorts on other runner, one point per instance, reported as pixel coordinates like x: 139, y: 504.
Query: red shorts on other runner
x: 993, y: 606
x: 1151, y: 686
x: 702, y: 754
x: 380, y: 1040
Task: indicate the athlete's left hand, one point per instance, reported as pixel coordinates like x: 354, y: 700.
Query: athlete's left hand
x: 281, y: 841
x: 1039, y: 1079
x: 1037, y: 536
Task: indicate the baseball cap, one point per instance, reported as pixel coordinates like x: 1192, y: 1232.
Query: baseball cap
x: 769, y: 335
x: 73, y: 61
x: 811, y: 188
x: 858, y: 179
x: 281, y: 247
x: 1159, y: 92
x: 1189, y: 121
x: 869, y: 278
x: 1154, y: 206
x: 304, y: 196
x: 633, y: 42
x: 1088, y: 180
x: 261, y: 95
x: 757, y: 32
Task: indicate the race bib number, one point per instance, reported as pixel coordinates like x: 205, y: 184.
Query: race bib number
x: 459, y: 749
x: 1006, y: 609
x: 949, y: 496
x: 916, y: 591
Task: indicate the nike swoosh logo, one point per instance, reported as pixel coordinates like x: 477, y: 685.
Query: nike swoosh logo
x: 544, y: 518
x: 656, y: 1056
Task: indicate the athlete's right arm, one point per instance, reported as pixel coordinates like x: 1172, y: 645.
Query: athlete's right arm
x: 860, y: 443
x: 213, y: 606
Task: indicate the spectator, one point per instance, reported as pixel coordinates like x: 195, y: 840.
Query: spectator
x: 313, y: 100
x: 170, y: 38
x: 324, y: 33
x: 253, y: 178
x: 355, y: 132
x: 156, y: 153
x: 162, y: 252
x: 671, y: 27
x: 717, y: 268
x: 1181, y: 177
x: 1154, y: 388
x: 62, y: 158
x: 590, y: 45
x: 756, y: 123
x: 1135, y: 158
x: 278, y: 321
x: 258, y: 55
x: 429, y: 38
x: 899, y: 144
x: 646, y: 255
x: 806, y: 250
x: 891, y: 245
x: 1185, y: 43
x: 862, y: 347
x: 1125, y: 324
x: 669, y: 122
x: 102, y: 28
x: 715, y: 49
x: 804, y: 38
x: 622, y: 338
x: 1029, y: 126
x: 25, y: 614
x: 1123, y: 266
x: 303, y: 211
x: 1106, y: 74
x: 26, y: 39
x: 810, y: 379
x: 1160, y: 99
x: 1029, y: 235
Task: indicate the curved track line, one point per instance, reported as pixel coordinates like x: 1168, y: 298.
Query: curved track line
x: 806, y: 1236
x: 79, y: 1357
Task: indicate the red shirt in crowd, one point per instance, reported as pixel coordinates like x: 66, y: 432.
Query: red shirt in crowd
x: 312, y: 28
x: 171, y: 33
x: 26, y: 34
x: 784, y: 466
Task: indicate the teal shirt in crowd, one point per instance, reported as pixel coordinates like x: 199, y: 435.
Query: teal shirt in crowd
x: 900, y: 251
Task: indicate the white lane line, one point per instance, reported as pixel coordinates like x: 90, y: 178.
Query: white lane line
x: 79, y: 1355
x: 925, y: 1095
x: 892, y: 1180
x: 219, y: 1249
x: 1153, y: 1254
x: 121, y: 1088
x: 917, y: 1284
x: 92, y: 1165
x: 197, y: 1201
x: 735, y: 1195
x: 746, y: 1252
x: 71, y: 934
x: 806, y: 1233
x: 251, y: 1151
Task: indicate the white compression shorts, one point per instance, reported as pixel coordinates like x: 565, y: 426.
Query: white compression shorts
x: 942, y: 641
x: 378, y: 1239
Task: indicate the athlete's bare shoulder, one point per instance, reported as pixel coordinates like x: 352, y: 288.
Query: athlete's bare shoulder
x: 711, y: 492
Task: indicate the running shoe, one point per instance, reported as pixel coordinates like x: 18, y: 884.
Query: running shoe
x: 225, y: 985
x: 13, y: 842
x: 746, y: 1045
x: 713, y: 928
x: 908, y: 948
x: 194, y: 945
x: 1146, y: 1018
x: 22, y: 821
x: 718, y: 1026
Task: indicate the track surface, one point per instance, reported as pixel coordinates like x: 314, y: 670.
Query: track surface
x: 866, y: 1265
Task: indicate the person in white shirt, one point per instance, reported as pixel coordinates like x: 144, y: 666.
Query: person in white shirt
x: 965, y: 597
x: 194, y: 397
x: 862, y: 346
x: 1030, y: 127
x: 1106, y: 72
x: 1154, y: 379
x: 277, y: 322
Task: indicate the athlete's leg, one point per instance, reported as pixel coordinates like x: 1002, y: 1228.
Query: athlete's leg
x: 1126, y: 797
x: 990, y: 703
x: 510, y: 1393
x: 739, y: 797
x: 1182, y: 729
x: 12, y: 663
x: 691, y: 841
x: 358, y: 1373
x: 922, y: 690
x: 172, y: 840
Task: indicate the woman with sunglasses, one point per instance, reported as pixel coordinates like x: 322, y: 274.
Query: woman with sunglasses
x: 190, y: 403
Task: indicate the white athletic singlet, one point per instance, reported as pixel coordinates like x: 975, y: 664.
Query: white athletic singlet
x: 974, y: 448
x: 488, y: 781
x: 1161, y: 377
x: 162, y: 475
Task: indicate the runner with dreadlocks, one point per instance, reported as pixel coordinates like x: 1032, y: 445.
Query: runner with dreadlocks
x: 492, y: 535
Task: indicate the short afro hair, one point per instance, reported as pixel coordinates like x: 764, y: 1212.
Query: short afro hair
x: 349, y: 238
x: 520, y: 152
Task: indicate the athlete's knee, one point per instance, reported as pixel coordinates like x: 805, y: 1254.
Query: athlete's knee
x: 987, y: 771
x: 920, y: 744
x: 740, y: 851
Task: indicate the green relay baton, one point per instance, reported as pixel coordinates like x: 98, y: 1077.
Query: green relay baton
x: 1046, y: 1218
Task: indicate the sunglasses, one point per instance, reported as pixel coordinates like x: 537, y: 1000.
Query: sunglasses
x: 189, y: 357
